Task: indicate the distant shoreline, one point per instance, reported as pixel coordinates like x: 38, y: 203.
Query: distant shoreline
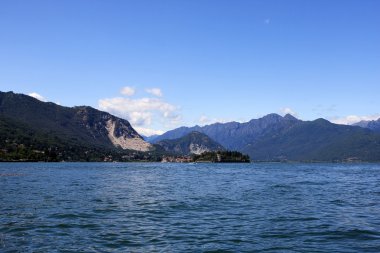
x: 202, y: 162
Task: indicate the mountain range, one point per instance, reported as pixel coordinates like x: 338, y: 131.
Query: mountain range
x: 32, y: 130
x: 277, y: 138
x: 234, y: 135
x: 370, y: 124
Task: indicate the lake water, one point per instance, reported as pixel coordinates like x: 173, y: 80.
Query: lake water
x: 153, y: 207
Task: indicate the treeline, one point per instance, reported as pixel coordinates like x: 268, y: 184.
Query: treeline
x: 222, y: 157
x: 20, y: 152
x: 18, y: 143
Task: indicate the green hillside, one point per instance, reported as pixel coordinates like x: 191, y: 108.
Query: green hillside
x: 31, y: 130
x: 192, y: 143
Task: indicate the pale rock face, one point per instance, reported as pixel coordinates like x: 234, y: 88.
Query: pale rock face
x: 197, y: 149
x: 134, y: 143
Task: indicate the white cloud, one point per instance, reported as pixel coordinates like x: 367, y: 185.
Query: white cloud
x: 287, y: 110
x: 128, y: 91
x: 155, y: 91
x: 37, y: 96
x: 148, y: 131
x: 351, y: 119
x: 142, y: 113
x: 203, y: 120
x: 140, y: 118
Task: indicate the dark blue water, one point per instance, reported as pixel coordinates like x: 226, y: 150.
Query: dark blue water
x: 95, y: 207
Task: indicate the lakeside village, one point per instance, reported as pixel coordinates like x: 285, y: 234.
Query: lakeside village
x: 209, y: 157
x: 206, y: 157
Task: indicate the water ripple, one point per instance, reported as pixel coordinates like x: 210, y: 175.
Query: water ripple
x: 93, y: 207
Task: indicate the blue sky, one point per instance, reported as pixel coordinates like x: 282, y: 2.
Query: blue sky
x: 206, y: 61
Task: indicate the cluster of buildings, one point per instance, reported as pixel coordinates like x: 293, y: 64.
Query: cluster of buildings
x: 177, y: 159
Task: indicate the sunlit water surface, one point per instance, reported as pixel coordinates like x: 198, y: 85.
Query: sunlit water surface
x: 153, y: 207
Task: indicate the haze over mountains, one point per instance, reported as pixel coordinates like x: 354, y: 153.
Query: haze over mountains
x: 35, y: 130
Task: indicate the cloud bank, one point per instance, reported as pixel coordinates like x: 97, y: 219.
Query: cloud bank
x: 143, y: 113
x: 351, y: 119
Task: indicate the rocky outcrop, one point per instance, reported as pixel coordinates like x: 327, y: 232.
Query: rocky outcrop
x: 124, y: 140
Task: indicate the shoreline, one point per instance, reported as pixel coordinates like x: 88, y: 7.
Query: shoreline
x: 256, y: 162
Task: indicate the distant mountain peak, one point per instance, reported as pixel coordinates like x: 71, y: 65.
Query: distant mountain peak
x: 288, y: 116
x: 272, y: 116
x: 273, y: 119
x: 322, y: 120
x: 373, y: 125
